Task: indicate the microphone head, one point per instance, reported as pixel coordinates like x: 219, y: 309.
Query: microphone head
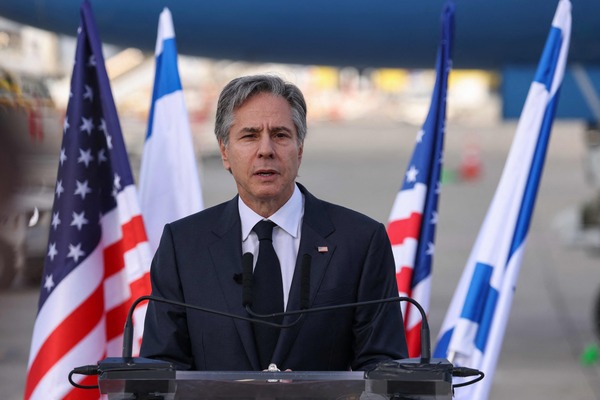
x: 238, y: 278
x: 247, y: 278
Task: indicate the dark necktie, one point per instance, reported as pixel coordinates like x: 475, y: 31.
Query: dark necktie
x: 268, y: 291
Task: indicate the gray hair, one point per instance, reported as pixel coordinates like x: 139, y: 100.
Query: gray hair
x: 239, y: 90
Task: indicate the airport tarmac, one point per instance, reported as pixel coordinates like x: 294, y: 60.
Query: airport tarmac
x: 360, y: 164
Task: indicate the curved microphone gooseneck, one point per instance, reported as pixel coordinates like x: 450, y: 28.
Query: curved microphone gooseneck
x: 247, y: 266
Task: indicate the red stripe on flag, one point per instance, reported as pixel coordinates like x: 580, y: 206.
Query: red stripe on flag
x: 70, y: 332
x: 413, y: 340
x: 115, y: 320
x: 133, y: 234
x: 400, y: 229
x: 140, y: 287
x: 403, y: 280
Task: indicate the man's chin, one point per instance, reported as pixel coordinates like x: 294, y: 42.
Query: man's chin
x: 269, y: 193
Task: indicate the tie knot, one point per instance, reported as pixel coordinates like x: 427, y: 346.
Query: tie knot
x: 264, y: 229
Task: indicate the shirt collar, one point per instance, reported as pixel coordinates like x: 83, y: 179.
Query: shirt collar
x: 288, y: 217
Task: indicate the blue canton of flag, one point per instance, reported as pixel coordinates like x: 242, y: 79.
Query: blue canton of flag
x: 98, y: 256
x: 474, y: 327
x: 411, y: 226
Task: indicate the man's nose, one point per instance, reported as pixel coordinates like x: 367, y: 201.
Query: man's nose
x: 265, y: 146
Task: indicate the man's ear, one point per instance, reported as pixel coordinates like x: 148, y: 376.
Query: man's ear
x: 224, y: 157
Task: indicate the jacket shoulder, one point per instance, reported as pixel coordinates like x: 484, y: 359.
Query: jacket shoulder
x: 202, y: 220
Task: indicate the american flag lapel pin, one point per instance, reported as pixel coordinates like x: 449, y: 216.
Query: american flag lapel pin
x: 322, y: 249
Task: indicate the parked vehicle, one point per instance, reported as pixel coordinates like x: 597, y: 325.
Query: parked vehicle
x: 30, y: 119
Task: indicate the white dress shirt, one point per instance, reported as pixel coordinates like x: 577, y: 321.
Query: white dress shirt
x: 286, y: 235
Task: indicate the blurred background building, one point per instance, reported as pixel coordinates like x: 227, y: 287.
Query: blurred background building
x: 35, y: 73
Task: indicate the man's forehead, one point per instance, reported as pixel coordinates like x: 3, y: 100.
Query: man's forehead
x: 254, y: 111
x: 263, y: 97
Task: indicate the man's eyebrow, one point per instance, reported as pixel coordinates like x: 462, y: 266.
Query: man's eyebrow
x: 280, y: 128
x: 256, y: 129
x: 251, y: 129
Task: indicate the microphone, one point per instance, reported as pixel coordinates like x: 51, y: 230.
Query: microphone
x: 237, y: 278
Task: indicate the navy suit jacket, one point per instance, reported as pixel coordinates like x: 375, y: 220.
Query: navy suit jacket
x: 199, y: 256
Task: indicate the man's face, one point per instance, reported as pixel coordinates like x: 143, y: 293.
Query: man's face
x: 263, y: 153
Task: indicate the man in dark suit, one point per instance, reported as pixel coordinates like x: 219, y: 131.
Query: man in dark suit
x: 260, y: 127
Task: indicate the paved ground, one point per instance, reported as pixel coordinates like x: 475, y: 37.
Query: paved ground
x: 360, y: 165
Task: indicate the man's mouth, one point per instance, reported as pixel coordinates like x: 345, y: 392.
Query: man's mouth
x: 265, y: 173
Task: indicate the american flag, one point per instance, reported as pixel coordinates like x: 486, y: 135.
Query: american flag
x: 473, y: 329
x: 412, y: 222
x: 98, y: 255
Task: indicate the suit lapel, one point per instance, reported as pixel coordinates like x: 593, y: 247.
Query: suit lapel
x: 316, y: 226
x: 226, y: 255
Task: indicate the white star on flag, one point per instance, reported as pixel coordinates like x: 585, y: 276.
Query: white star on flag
x: 411, y: 174
x: 82, y: 189
x: 75, y: 252
x: 434, y: 218
x: 85, y: 156
x: 89, y: 93
x: 48, y: 283
x: 52, y: 252
x: 86, y: 125
x: 108, y: 141
x: 102, y: 156
x: 55, y: 220
x: 79, y: 220
x: 430, y: 249
x: 59, y: 188
x: 63, y: 156
x: 117, y: 182
x: 102, y: 126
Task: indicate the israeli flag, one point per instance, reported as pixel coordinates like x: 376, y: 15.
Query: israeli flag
x: 474, y: 326
x: 169, y: 184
